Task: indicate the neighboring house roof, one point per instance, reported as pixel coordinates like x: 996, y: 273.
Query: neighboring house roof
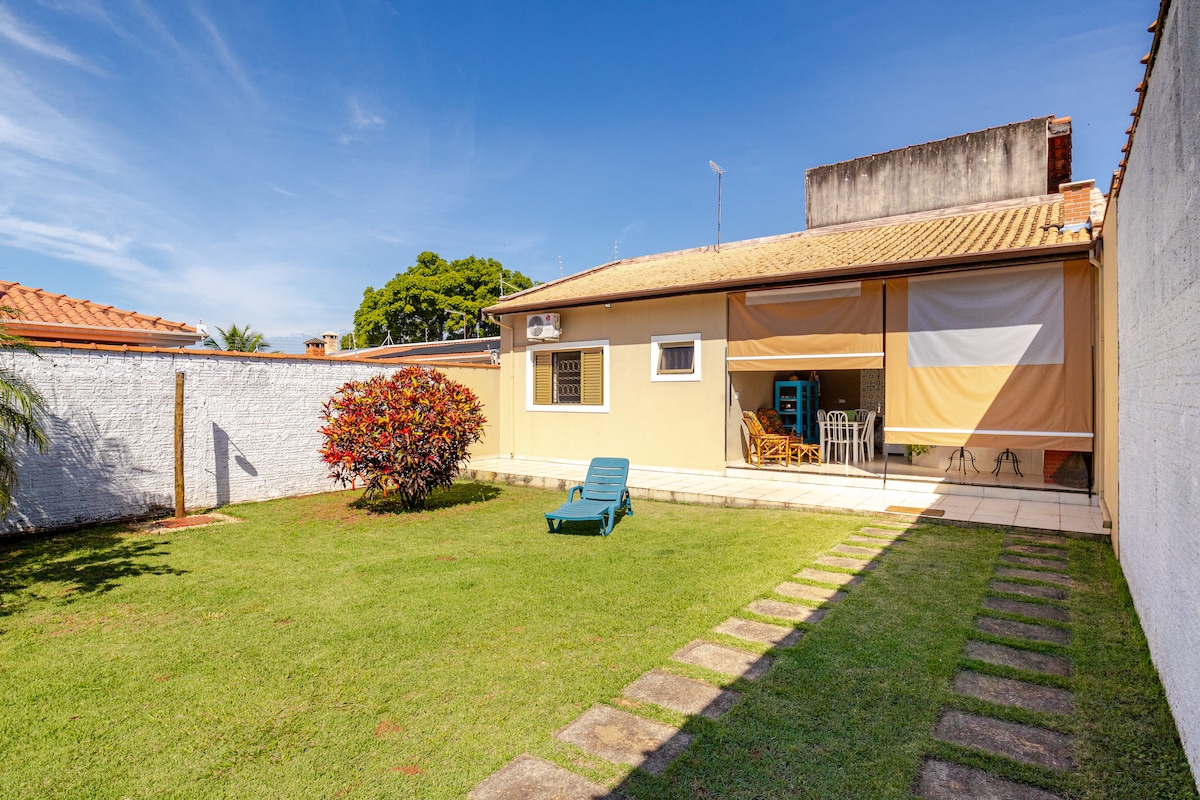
x: 990, y: 232
x: 45, y: 316
x: 456, y: 350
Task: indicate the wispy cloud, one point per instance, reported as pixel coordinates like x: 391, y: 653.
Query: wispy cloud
x: 232, y: 65
x: 84, y: 246
x: 361, y: 120
x: 21, y: 35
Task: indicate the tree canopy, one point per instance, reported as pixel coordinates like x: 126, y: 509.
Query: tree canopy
x: 238, y: 340
x: 418, y: 304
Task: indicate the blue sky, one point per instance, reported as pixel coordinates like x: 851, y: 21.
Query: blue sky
x: 264, y: 162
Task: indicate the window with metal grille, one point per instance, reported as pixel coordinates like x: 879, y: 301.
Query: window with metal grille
x: 569, y: 377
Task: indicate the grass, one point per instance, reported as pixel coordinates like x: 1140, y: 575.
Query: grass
x: 322, y: 650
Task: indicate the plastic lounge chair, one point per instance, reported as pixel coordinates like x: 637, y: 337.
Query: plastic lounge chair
x: 601, y: 495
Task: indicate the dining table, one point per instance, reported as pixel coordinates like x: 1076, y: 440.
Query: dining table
x: 858, y: 432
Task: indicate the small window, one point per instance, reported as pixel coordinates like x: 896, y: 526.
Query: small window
x: 675, y: 357
x: 567, y: 379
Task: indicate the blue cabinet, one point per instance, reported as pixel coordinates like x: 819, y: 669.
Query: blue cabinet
x: 796, y: 404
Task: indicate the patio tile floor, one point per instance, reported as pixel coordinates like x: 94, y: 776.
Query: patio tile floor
x: 1034, y: 509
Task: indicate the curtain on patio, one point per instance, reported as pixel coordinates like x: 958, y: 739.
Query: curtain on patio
x: 993, y: 358
x: 834, y: 326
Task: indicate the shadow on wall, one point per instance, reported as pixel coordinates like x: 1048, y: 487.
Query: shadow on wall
x: 221, y: 449
x: 84, y: 476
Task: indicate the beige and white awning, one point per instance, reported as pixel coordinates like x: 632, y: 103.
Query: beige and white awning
x: 993, y: 358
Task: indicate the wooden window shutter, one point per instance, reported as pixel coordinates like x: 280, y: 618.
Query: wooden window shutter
x: 592, y: 378
x: 543, y: 393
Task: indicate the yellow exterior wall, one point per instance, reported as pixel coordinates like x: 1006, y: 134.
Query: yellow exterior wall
x: 658, y: 424
x: 484, y: 381
x: 1106, y: 373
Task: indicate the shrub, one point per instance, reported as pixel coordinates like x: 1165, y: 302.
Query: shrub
x: 402, y: 435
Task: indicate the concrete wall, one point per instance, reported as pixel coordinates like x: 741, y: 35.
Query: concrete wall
x: 1158, y: 258
x: 661, y: 424
x: 994, y: 164
x: 251, y: 430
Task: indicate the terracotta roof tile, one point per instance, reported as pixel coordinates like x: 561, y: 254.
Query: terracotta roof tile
x: 976, y: 230
x: 36, y: 305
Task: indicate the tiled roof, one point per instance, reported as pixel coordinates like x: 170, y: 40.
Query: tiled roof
x: 991, y: 230
x: 36, y: 305
x: 1157, y: 29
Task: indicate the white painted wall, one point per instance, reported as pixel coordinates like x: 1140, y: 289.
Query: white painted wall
x: 1158, y: 262
x: 251, y: 431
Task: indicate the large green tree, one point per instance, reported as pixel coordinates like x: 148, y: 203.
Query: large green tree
x: 418, y: 304
x: 22, y: 416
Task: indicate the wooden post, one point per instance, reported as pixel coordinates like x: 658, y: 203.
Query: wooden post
x: 179, y: 512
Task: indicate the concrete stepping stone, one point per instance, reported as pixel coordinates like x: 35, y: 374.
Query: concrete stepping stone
x: 622, y: 738
x: 1033, y: 550
x: 687, y: 696
x: 764, y: 632
x: 1022, y: 630
x: 845, y: 563
x: 1036, y: 610
x: 1026, y: 561
x: 821, y: 576
x: 1044, y: 592
x: 802, y: 591
x: 726, y: 660
x: 1033, y: 538
x: 1018, y: 659
x: 1008, y: 692
x: 530, y: 778
x: 885, y: 533
x: 851, y: 550
x: 1027, y: 744
x: 942, y: 780
x: 789, y: 611
x: 871, y: 541
x: 1033, y: 575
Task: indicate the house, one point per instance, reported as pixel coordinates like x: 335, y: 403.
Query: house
x: 964, y: 321
x: 42, y: 316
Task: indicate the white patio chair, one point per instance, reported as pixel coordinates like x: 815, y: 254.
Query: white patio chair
x: 839, y: 436
x: 866, y: 436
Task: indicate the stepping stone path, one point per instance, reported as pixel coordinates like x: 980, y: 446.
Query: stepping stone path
x: 1044, y: 589
x: 626, y: 738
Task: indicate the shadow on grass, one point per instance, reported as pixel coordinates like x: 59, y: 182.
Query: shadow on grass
x: 460, y: 494
x: 76, y: 564
x: 587, y: 527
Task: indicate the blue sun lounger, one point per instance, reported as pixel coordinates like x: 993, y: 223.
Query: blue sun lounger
x: 602, y: 494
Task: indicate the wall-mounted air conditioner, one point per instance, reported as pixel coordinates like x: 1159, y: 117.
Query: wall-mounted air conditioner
x: 542, y: 327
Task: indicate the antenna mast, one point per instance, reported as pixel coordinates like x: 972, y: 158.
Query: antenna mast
x: 715, y: 167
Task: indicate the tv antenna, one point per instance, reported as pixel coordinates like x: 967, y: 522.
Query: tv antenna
x: 466, y: 319
x: 504, y: 283
x: 715, y: 167
x: 560, y: 272
x: 614, y: 257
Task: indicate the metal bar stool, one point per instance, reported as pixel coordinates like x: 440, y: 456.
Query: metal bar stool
x: 962, y: 454
x: 1008, y: 456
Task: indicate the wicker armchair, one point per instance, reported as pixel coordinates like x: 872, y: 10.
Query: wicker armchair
x: 773, y: 425
x: 763, y: 446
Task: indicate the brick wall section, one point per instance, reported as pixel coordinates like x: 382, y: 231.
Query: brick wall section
x: 251, y: 430
x: 1077, y: 201
x: 1053, y: 459
x: 1158, y: 290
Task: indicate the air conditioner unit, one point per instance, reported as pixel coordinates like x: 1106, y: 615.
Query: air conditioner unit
x: 542, y: 327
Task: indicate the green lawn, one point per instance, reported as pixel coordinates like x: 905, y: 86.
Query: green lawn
x: 317, y: 650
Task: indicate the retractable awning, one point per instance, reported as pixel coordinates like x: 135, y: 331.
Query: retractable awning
x: 831, y: 326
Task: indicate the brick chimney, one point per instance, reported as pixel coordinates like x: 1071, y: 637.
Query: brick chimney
x: 332, y: 342
x: 1077, y: 202
x: 1058, y: 153
x: 314, y: 347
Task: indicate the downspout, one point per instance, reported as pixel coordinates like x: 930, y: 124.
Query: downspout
x: 512, y: 407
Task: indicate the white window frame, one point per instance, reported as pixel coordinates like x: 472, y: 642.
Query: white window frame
x: 656, y: 343
x: 571, y: 408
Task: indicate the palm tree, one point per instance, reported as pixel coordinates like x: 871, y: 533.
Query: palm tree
x: 22, y: 415
x: 238, y: 340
